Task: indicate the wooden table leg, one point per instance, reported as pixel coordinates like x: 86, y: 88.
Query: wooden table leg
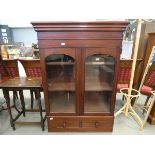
x: 15, y: 98
x: 32, y: 98
x: 7, y: 98
x: 40, y: 107
x: 22, y: 101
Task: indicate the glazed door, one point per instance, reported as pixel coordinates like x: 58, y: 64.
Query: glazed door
x: 61, y: 81
x: 98, y: 81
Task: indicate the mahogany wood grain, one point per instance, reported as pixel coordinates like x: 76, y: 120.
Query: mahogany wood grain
x: 79, y: 40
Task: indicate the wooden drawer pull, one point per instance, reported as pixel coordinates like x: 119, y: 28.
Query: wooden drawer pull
x: 80, y: 124
x: 97, y: 124
x: 64, y: 125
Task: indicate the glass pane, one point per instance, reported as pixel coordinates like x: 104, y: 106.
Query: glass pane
x: 61, y: 83
x: 99, y: 75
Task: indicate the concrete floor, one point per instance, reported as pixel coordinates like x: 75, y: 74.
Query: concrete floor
x: 122, y: 125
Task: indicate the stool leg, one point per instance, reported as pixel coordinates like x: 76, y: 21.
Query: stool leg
x: 40, y: 108
x: 22, y: 101
x: 7, y: 98
x: 32, y: 99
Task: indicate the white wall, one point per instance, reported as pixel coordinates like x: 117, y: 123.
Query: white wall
x: 25, y: 35
x: 126, y: 49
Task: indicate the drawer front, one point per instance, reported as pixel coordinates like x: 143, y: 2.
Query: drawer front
x: 80, y: 123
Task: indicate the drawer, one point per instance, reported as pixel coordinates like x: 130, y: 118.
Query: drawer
x: 80, y: 123
x: 62, y: 123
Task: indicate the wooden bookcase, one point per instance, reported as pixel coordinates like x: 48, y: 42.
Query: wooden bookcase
x: 79, y: 62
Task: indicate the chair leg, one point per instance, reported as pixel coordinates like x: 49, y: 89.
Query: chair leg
x: 147, y: 99
x: 32, y: 99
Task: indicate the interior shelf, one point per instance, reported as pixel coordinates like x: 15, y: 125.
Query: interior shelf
x: 102, y: 86
x: 89, y: 86
x: 61, y: 86
x: 60, y: 63
x: 72, y: 63
x: 99, y: 63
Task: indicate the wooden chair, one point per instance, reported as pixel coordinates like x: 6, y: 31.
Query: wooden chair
x: 9, y: 69
x: 149, y: 83
x: 125, y: 73
x: 3, y: 73
x: 32, y: 69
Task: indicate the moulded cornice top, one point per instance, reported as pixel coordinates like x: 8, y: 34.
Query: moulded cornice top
x: 151, y: 33
x: 80, y: 26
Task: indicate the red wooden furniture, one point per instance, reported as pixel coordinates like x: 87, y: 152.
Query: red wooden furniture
x: 2, y: 74
x: 125, y: 73
x: 9, y: 69
x: 149, y: 83
x: 11, y: 66
x: 32, y: 69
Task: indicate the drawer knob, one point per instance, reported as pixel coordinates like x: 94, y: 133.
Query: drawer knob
x: 80, y: 124
x: 64, y: 125
x: 97, y: 124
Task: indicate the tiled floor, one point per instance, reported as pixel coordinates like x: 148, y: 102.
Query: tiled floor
x: 122, y: 125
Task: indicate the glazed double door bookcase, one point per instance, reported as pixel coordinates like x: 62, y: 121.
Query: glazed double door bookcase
x: 79, y: 63
x: 79, y: 82
x: 93, y: 84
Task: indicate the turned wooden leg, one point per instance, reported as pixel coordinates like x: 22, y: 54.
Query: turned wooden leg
x: 22, y: 101
x: 40, y: 108
x: 68, y: 96
x: 7, y: 98
x: 35, y: 94
x: 32, y: 99
x: 15, y: 97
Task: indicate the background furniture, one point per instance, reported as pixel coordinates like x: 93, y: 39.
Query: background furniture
x: 32, y: 69
x: 9, y: 69
x: 147, y: 28
x: 149, y: 83
x: 5, y: 34
x: 125, y: 73
x: 79, y: 62
x: 1, y: 70
x: 11, y: 66
x: 20, y: 84
x: 150, y: 44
